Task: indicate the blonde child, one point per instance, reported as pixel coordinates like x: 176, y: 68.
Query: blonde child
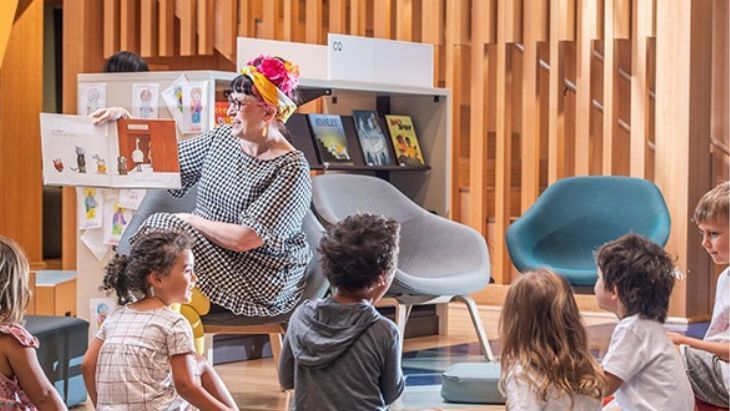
x: 339, y: 353
x: 635, y: 279
x: 143, y: 357
x: 23, y: 385
x: 546, y: 364
x: 706, y: 360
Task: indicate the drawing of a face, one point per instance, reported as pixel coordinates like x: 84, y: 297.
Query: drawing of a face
x: 145, y: 95
x: 92, y: 94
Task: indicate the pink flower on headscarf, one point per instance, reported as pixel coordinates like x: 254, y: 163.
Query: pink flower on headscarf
x: 284, y: 75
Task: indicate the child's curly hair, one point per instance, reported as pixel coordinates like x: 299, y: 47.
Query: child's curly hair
x: 356, y: 250
x: 642, y: 272
x: 152, y: 252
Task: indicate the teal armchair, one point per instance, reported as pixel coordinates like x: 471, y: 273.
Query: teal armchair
x: 576, y: 215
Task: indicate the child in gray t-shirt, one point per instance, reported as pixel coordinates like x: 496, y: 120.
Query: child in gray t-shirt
x: 340, y: 353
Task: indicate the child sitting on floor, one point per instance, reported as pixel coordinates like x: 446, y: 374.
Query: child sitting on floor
x: 143, y: 357
x: 706, y: 360
x: 340, y: 353
x: 635, y: 279
x: 546, y: 364
x: 23, y: 385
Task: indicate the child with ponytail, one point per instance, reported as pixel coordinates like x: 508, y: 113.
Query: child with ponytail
x: 143, y: 357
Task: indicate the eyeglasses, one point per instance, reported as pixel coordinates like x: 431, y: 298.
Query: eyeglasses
x: 237, y: 104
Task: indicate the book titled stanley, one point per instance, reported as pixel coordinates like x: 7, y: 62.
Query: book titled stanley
x: 329, y: 135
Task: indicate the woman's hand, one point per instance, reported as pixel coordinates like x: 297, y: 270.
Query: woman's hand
x: 114, y: 113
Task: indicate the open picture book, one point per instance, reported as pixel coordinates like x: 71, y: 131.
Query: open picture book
x: 129, y: 153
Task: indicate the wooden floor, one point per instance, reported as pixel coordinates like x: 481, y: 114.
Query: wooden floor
x: 254, y: 385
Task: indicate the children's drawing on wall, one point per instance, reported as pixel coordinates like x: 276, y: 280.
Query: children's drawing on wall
x: 145, y: 98
x: 90, y: 205
x: 194, y: 97
x: 131, y: 198
x: 116, y: 219
x: 173, y: 97
x: 99, y: 310
x: 91, y: 97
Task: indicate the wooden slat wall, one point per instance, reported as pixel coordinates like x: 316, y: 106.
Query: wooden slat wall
x: 516, y: 126
x: 21, y: 79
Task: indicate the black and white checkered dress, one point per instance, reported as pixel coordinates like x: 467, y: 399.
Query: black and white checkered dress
x: 269, y: 196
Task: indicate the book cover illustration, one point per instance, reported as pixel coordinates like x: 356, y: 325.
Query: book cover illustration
x: 221, y: 116
x: 145, y: 100
x: 405, y: 142
x: 131, y: 153
x: 374, y: 143
x: 329, y: 134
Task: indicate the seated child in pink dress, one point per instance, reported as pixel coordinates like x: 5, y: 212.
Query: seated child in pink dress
x: 23, y: 385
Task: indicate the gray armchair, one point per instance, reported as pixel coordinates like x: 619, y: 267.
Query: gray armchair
x: 439, y: 261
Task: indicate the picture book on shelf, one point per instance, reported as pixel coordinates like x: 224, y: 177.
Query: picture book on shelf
x: 405, y: 142
x: 374, y: 143
x: 130, y: 153
x: 329, y: 134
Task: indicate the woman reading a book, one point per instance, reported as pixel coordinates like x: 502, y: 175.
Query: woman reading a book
x: 254, y: 190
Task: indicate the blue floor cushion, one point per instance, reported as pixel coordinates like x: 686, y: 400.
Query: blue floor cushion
x: 472, y: 383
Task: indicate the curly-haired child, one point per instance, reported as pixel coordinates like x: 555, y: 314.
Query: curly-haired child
x: 143, y: 357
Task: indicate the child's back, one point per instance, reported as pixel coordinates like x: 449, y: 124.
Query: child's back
x: 546, y: 364
x: 642, y: 356
x: 346, y: 356
x: 339, y: 353
x: 635, y: 280
x: 12, y: 395
x: 133, y: 369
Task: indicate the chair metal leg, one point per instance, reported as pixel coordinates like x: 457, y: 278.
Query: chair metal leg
x: 477, y: 322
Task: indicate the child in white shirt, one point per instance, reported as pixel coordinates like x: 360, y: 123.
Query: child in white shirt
x: 635, y: 279
x: 707, y: 359
x: 143, y: 357
x: 546, y: 364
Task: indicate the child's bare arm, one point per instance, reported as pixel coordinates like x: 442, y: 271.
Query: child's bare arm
x: 612, y: 383
x: 88, y: 368
x: 721, y: 349
x: 184, y: 366
x: 35, y: 384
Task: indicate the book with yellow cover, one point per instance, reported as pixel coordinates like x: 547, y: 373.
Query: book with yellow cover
x: 403, y: 134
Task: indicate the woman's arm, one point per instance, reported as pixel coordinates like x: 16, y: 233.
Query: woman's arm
x: 88, y: 368
x: 721, y: 349
x: 35, y: 384
x: 236, y: 237
x: 183, y: 368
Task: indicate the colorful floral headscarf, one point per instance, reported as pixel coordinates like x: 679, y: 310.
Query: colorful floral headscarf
x: 274, y: 79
